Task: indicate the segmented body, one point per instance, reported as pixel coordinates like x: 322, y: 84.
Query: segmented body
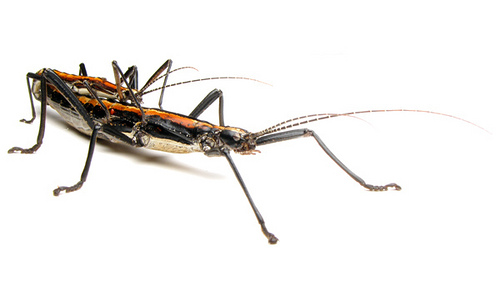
x: 162, y: 130
x: 110, y: 111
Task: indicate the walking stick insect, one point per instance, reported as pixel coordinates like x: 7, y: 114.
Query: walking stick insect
x: 113, y: 112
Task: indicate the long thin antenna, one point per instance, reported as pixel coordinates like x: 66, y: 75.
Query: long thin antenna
x: 317, y: 117
x: 206, y: 79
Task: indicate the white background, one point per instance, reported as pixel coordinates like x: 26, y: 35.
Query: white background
x: 152, y: 221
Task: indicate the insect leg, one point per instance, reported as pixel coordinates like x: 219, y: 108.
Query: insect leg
x: 43, y: 115
x: 166, y: 66
x: 132, y: 74
x: 33, y: 112
x: 160, y: 101
x: 207, y: 101
x: 66, y: 92
x: 120, y: 76
x: 48, y: 76
x: 83, y: 70
x: 86, y: 168
x: 94, y: 96
x: 61, y: 87
x: 118, y: 80
x: 270, y: 237
x: 292, y: 134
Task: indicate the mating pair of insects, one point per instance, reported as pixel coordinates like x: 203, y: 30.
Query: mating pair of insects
x: 114, y: 112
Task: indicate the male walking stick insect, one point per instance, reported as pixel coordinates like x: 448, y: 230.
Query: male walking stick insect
x: 113, y: 112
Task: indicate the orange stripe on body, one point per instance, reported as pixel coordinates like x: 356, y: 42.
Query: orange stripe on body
x: 96, y: 80
x: 181, y: 120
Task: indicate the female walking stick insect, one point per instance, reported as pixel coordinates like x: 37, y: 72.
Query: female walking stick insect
x: 113, y: 112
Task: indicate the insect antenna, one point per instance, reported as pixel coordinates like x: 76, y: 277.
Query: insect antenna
x: 151, y: 82
x: 177, y: 69
x: 294, y: 122
x: 163, y: 75
x: 206, y: 79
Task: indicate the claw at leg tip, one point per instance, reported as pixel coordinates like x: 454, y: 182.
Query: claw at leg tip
x: 272, y: 239
x: 395, y: 187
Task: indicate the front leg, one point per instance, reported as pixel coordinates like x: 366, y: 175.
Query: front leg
x: 271, y: 238
x: 293, y: 134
